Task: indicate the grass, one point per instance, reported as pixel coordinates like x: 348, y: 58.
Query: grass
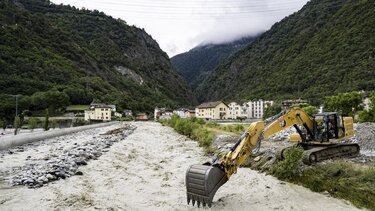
x: 77, y: 108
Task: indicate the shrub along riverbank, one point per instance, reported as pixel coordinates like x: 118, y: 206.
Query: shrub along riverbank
x: 346, y: 180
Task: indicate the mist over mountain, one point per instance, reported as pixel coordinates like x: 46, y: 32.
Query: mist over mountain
x: 197, y: 63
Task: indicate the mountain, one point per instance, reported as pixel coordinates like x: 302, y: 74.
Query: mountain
x: 195, y: 64
x: 85, y: 55
x: 325, y: 48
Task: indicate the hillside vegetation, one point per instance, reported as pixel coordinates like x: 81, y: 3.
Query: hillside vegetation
x: 325, y: 48
x: 80, y: 56
x: 197, y: 63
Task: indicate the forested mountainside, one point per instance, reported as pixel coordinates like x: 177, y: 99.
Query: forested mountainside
x: 77, y: 56
x: 195, y: 64
x: 325, y: 48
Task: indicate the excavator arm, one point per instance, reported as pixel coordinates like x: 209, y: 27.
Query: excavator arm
x: 202, y: 181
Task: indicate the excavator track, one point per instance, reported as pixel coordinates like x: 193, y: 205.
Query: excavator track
x: 319, y: 153
x: 202, y: 182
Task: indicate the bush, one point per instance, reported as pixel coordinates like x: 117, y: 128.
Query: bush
x: 311, y: 110
x: 289, y: 168
x: 17, y: 124
x: 366, y: 116
x: 78, y: 122
x: 32, y: 123
x: 53, y: 124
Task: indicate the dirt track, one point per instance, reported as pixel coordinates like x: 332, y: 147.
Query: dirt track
x: 146, y: 171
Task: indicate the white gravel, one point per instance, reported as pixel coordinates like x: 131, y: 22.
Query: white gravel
x: 146, y: 171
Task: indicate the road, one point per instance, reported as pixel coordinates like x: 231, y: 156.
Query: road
x: 146, y: 171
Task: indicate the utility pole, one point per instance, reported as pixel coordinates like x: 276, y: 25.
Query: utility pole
x: 16, y: 96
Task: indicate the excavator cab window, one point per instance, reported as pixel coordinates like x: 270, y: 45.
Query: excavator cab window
x: 326, y: 126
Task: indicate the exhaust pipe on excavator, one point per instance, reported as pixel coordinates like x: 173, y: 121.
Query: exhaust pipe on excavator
x: 202, y: 182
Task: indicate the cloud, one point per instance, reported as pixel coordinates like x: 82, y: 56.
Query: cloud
x: 179, y: 25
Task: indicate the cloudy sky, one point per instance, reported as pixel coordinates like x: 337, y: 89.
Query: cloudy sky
x: 179, y: 25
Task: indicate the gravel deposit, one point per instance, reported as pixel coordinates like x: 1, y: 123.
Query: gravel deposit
x: 62, y: 160
x: 365, y: 137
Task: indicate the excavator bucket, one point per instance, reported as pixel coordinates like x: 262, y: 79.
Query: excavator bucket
x: 202, y: 182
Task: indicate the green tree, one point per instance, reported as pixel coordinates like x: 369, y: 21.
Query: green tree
x: 272, y: 110
x: 17, y: 124
x: 311, y: 110
x: 347, y: 104
x: 46, y: 121
x: 32, y: 123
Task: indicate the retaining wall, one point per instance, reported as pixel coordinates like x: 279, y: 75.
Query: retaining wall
x: 11, y: 141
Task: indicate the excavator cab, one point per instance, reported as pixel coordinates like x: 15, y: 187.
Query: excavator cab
x: 327, y: 126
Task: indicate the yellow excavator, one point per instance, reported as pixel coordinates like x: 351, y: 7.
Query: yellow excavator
x: 320, y: 136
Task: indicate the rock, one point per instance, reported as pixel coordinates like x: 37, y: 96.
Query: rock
x: 257, y: 158
x: 43, y: 179
x: 79, y: 173
x: 61, y: 174
x: 29, y: 181
x: 50, y: 177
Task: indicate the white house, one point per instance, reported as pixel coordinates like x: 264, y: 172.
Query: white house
x: 255, y: 109
x: 181, y: 112
x: 235, y: 110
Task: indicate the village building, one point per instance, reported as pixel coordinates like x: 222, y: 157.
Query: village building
x: 100, y: 112
x: 235, y: 110
x: 162, y: 113
x: 213, y: 110
x: 127, y: 113
x: 255, y: 109
x: 190, y: 113
x: 181, y: 112
x: 141, y: 117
